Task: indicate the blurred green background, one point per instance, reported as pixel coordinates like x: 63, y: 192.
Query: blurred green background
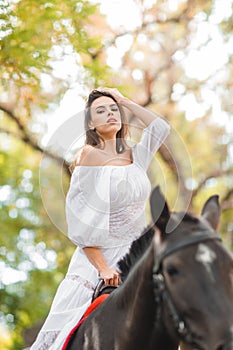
x: 174, y: 57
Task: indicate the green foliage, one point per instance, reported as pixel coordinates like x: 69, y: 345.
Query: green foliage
x: 30, y: 245
x: 35, y: 36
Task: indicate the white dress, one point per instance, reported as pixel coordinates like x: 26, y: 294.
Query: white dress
x: 105, y: 207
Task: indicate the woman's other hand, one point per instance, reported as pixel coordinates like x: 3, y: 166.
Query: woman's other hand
x: 110, y: 277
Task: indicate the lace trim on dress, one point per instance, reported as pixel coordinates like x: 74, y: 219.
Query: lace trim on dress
x: 79, y: 279
x: 123, y: 218
x: 44, y: 340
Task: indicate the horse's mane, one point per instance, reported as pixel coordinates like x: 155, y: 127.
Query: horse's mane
x: 138, y: 247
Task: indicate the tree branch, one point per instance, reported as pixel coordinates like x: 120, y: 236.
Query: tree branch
x: 215, y: 174
x: 149, y: 80
x: 26, y: 138
x: 137, y: 31
x: 227, y: 202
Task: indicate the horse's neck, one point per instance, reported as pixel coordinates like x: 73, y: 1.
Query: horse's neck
x: 139, y: 278
x: 136, y: 295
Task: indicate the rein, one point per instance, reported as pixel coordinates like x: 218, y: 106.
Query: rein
x: 101, y: 289
x: 159, y: 284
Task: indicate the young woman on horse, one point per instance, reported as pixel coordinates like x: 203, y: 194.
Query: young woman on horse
x: 105, y: 205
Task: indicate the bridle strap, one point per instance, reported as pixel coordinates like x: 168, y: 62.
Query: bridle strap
x: 160, y: 291
x: 185, y: 242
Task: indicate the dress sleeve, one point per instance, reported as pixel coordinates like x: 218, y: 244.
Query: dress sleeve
x: 152, y: 138
x: 87, y: 207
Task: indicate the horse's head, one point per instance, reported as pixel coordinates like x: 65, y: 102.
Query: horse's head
x: 193, y: 276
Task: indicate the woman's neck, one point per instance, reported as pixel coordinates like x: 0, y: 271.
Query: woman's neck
x: 109, y: 146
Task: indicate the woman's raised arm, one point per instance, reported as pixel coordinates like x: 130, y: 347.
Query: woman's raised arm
x: 143, y: 114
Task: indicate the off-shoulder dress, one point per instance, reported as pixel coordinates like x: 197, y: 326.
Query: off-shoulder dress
x: 105, y: 207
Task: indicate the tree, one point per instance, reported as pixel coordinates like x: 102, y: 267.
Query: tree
x: 36, y: 36
x: 154, y: 70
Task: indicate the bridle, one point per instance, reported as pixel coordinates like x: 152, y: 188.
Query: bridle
x: 161, y: 292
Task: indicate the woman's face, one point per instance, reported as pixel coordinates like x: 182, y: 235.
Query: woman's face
x: 105, y: 115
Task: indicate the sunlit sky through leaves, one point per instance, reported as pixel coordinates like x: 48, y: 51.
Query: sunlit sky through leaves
x: 202, y: 62
x: 207, y: 55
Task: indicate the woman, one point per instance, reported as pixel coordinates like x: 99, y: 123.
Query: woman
x: 105, y: 206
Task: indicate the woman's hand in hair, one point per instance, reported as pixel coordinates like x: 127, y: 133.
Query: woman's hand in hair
x: 114, y: 92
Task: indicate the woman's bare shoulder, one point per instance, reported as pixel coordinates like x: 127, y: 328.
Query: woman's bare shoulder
x: 85, y: 155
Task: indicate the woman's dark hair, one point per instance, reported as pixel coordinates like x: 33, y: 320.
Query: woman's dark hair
x: 92, y: 138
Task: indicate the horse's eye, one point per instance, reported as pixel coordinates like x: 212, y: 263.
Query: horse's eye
x: 172, y: 270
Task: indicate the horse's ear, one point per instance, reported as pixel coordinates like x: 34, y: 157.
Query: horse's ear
x: 211, y: 211
x: 159, y: 209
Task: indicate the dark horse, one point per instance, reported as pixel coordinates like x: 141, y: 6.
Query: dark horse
x: 177, y: 288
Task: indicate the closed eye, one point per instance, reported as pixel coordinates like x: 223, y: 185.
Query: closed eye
x: 99, y: 111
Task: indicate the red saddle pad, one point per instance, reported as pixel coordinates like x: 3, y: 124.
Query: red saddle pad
x: 89, y: 310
